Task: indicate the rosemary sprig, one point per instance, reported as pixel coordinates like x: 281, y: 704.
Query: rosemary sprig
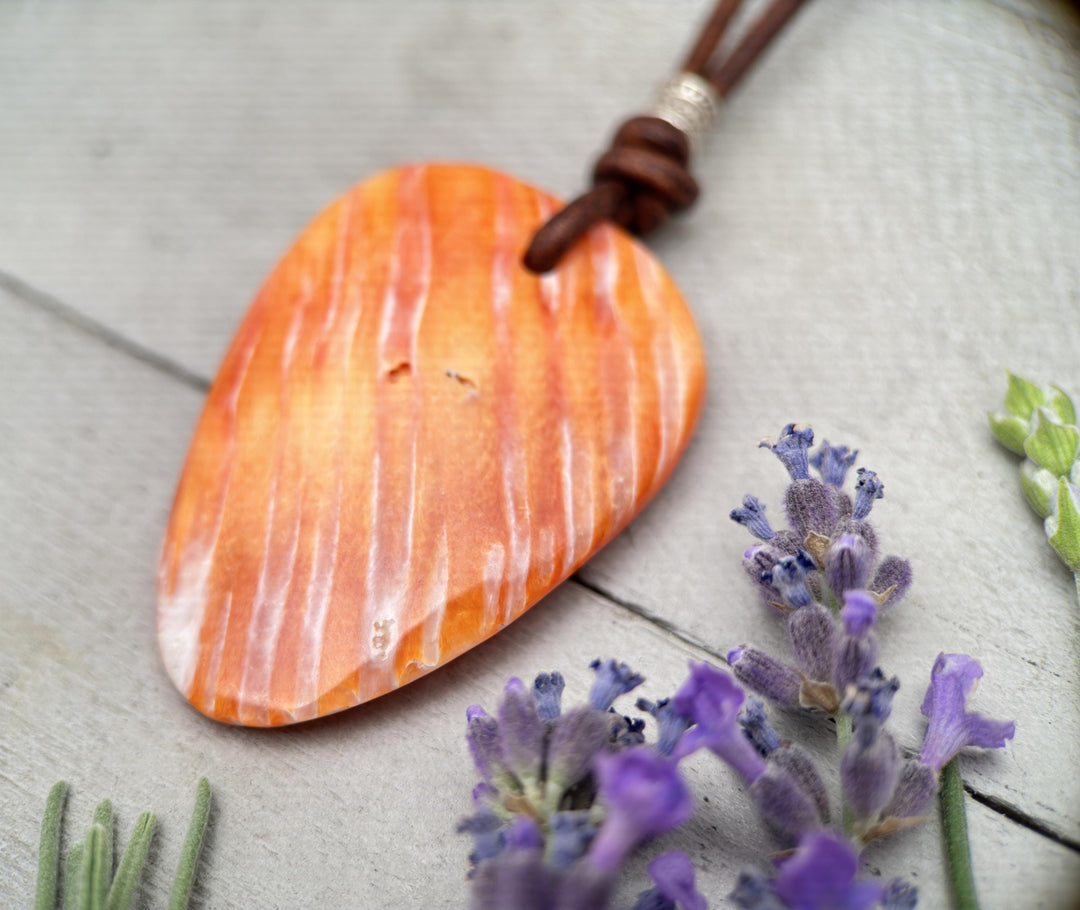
x: 89, y: 883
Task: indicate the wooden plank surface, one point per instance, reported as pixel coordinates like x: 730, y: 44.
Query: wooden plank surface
x: 889, y: 220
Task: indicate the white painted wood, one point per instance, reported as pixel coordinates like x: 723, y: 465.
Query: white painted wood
x: 889, y: 220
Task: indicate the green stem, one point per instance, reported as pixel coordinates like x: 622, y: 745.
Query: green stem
x: 49, y: 850
x: 189, y: 857
x: 843, y: 737
x: 73, y: 876
x: 1076, y: 578
x: 957, y: 851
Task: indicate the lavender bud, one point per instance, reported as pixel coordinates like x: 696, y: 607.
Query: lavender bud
x: 869, y: 771
x: 765, y: 675
x: 915, y: 790
x: 624, y: 731
x: 515, y: 879
x: 524, y: 834
x: 521, y: 732
x: 752, y: 516
x: 612, y: 680
x: 871, y: 699
x: 833, y: 462
x: 753, y: 891
x: 857, y: 648
x: 486, y: 746
x: 867, y: 488
x: 899, y: 895
x: 788, y: 576
x: 893, y: 577
x: 673, y: 874
x: 489, y: 839
x: 791, y: 448
x: 811, y: 507
x: 577, y: 736
x: 571, y: 834
x: 785, y: 808
x: 547, y: 690
x: 812, y: 633
x: 795, y: 760
x: 755, y: 725
x: 671, y: 725
x: 847, y: 563
x: 584, y: 886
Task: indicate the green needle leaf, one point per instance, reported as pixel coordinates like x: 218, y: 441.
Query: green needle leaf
x: 95, y: 883
x: 49, y: 849
x: 1052, y: 445
x: 189, y: 858
x: 103, y: 815
x: 122, y: 892
x: 73, y: 877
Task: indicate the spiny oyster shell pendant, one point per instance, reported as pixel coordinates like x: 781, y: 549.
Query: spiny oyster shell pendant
x: 413, y: 439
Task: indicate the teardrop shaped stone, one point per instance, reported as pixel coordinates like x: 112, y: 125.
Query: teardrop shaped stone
x: 411, y: 440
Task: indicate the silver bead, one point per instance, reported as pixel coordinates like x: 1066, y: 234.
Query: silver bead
x: 689, y: 103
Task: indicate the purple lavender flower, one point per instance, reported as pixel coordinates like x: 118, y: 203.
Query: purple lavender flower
x: 785, y: 809
x: 547, y: 690
x: 857, y: 648
x: 848, y: 561
x: 792, y: 448
x: 796, y: 762
x: 811, y: 507
x: 712, y: 699
x: 521, y: 732
x: 914, y: 792
x: 673, y: 875
x: 644, y: 796
x: 788, y: 576
x: 812, y: 633
x: 765, y: 675
x: 575, y: 738
x: 671, y: 725
x: 612, y: 680
x: 486, y: 746
x: 821, y: 876
x: 752, y: 516
x: 891, y: 580
x: 950, y: 726
x: 755, y: 725
x: 833, y: 462
x: 571, y: 834
x: 867, y: 488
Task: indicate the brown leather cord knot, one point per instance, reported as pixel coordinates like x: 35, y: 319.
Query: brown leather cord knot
x: 637, y: 183
x: 643, y: 177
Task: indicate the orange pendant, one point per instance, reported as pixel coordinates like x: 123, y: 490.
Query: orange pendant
x: 411, y: 441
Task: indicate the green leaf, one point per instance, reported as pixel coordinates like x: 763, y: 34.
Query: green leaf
x: 1051, y: 445
x: 1039, y: 486
x: 94, y: 875
x: 73, y: 876
x: 1022, y: 397
x: 49, y: 849
x: 1010, y: 431
x: 1060, y: 404
x: 103, y: 815
x: 1063, y: 527
x: 189, y: 857
x: 122, y: 892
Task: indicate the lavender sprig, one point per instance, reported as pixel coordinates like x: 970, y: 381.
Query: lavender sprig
x: 567, y: 796
x: 824, y: 576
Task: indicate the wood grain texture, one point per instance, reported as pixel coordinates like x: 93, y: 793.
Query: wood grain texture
x: 411, y: 441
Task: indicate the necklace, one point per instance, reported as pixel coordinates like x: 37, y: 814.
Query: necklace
x: 447, y: 396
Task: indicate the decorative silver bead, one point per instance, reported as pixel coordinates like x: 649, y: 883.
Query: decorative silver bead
x: 689, y: 103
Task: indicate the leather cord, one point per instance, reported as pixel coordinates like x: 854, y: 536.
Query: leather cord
x: 644, y: 176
